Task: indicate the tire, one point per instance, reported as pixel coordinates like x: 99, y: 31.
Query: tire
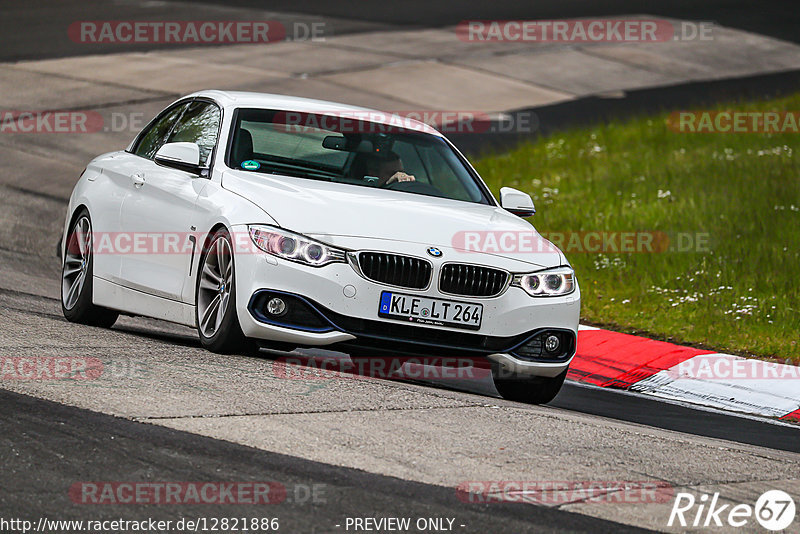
x: 535, y: 390
x: 77, y: 281
x: 215, y: 299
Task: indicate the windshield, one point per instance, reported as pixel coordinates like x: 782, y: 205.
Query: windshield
x: 350, y: 151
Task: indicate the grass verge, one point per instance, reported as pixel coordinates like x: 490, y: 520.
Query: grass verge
x: 738, y: 193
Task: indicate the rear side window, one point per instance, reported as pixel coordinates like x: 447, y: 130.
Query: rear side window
x: 152, y: 139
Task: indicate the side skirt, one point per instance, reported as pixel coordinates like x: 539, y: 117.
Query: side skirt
x: 131, y: 301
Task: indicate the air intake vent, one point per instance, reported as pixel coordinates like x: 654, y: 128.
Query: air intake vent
x: 472, y: 280
x: 395, y: 270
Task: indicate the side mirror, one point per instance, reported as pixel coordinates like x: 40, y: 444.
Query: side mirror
x: 181, y: 156
x: 517, y: 202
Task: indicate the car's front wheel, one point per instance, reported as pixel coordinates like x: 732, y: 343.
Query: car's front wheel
x: 76, y: 277
x: 217, y: 321
x: 534, y: 390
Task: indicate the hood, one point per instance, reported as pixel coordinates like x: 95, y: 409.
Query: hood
x: 329, y: 210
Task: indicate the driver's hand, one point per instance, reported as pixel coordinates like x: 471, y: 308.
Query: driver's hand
x: 400, y: 176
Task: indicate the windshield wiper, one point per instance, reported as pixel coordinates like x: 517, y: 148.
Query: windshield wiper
x: 294, y: 173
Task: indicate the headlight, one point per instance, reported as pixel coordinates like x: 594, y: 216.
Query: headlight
x: 550, y: 283
x: 294, y: 247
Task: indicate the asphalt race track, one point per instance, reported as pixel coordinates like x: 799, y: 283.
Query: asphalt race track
x: 44, y: 37
x: 59, y: 443
x: 166, y: 411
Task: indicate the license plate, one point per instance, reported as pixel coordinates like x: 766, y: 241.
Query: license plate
x: 429, y: 311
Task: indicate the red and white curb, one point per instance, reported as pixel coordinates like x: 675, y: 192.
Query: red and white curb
x: 695, y: 376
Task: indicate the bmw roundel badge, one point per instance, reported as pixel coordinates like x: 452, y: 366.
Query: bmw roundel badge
x: 435, y: 252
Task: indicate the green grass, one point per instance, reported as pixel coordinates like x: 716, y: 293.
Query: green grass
x: 741, y: 295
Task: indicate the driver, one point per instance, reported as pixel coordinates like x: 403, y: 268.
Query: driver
x: 388, y: 168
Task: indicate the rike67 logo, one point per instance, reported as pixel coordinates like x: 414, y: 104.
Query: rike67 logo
x: 774, y: 510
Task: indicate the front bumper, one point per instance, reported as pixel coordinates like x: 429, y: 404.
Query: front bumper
x: 346, y: 306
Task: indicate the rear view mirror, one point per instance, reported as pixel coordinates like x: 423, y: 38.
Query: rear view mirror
x: 181, y: 156
x: 516, y: 202
x: 335, y: 142
x: 340, y: 142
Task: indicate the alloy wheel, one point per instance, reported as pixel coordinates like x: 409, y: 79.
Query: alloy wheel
x: 77, y: 258
x: 214, y: 291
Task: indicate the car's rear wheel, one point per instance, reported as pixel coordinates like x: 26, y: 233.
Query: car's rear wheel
x: 534, y: 390
x: 217, y: 320
x: 76, y: 277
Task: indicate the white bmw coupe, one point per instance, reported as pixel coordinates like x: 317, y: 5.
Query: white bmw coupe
x: 286, y: 222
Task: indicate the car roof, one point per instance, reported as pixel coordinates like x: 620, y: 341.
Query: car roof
x: 245, y: 99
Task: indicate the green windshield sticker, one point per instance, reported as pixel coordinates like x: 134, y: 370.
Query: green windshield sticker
x: 251, y: 165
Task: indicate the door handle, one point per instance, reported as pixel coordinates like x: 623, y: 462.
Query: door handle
x: 138, y: 179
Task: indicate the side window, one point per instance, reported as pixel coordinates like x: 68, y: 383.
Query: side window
x: 199, y: 124
x: 151, y: 141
